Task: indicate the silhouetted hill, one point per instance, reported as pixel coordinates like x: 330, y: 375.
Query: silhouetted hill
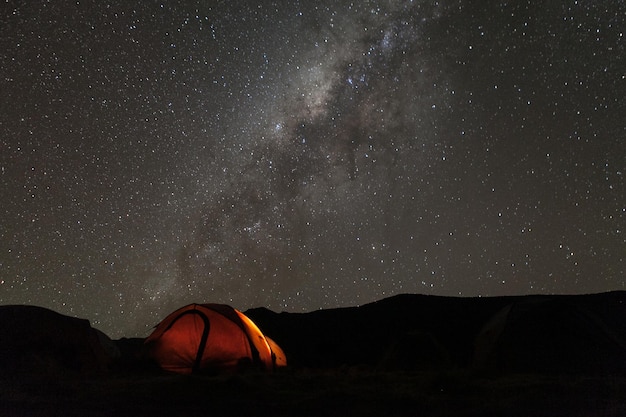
x: 552, y: 333
x: 35, y: 341
x: 404, y: 355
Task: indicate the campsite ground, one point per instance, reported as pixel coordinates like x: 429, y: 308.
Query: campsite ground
x: 317, y: 393
x: 547, y: 356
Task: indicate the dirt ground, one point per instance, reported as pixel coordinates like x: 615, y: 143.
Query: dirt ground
x: 317, y: 393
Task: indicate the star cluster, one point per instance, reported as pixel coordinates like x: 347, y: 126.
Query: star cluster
x: 303, y: 155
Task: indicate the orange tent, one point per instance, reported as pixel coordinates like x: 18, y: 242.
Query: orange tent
x: 209, y: 337
x: 278, y: 355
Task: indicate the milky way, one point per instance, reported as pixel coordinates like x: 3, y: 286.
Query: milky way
x: 304, y: 155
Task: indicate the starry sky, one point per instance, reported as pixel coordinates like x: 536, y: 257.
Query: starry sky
x: 301, y: 155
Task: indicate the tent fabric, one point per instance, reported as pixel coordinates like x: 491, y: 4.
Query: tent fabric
x: 278, y: 355
x: 208, y: 337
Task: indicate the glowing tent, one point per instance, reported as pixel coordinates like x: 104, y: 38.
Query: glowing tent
x: 210, y: 337
x: 278, y: 355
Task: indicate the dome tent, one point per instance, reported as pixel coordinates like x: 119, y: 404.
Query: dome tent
x: 278, y: 355
x: 208, y: 337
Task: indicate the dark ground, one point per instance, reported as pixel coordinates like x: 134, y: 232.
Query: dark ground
x: 318, y: 393
x: 408, y: 355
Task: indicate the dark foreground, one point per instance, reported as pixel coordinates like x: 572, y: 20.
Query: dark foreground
x: 319, y: 393
x: 407, y: 355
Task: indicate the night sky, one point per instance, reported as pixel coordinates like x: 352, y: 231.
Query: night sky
x: 301, y: 155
